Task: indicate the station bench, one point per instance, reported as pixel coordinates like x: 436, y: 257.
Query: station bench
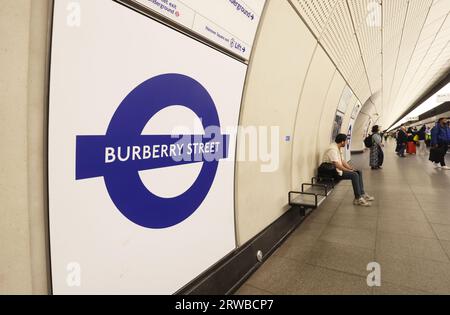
x: 312, y: 195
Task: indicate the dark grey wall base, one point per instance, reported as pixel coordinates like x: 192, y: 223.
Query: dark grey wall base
x: 230, y: 273
x: 358, y: 152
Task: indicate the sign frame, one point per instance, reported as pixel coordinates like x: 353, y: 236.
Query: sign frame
x: 51, y: 66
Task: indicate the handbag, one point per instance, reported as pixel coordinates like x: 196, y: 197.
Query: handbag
x: 435, y: 155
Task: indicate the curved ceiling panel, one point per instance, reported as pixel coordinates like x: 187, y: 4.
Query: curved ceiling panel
x: 398, y: 49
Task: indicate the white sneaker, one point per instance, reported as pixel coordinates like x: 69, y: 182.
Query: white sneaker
x: 445, y: 168
x: 437, y: 165
x: 361, y: 202
x: 368, y: 197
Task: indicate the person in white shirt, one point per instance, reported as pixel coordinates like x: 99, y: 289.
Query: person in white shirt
x: 346, y: 171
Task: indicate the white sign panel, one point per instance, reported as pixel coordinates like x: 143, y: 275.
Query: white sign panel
x: 443, y: 98
x: 356, y: 110
x: 231, y: 24
x: 413, y: 118
x: 355, y: 113
x: 344, y: 102
x: 348, y: 146
x: 141, y: 164
x: 337, y: 125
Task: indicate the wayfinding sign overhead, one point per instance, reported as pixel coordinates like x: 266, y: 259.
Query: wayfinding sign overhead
x: 443, y: 98
x: 231, y: 24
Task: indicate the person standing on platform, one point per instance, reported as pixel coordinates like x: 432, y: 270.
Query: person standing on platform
x: 428, y: 137
x: 411, y: 144
x: 376, y: 151
x: 422, y: 146
x: 402, y: 140
x: 440, y: 139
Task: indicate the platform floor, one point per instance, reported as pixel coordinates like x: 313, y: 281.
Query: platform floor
x: 406, y: 231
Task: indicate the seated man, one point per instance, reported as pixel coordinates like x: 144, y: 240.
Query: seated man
x: 345, y: 171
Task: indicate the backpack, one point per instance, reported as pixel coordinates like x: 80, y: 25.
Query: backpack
x: 368, y: 141
x: 328, y: 170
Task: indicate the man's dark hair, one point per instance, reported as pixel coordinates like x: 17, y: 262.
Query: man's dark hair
x: 341, y: 138
x: 375, y: 129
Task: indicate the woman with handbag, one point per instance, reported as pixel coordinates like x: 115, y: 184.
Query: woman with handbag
x: 440, y: 139
x: 411, y: 145
x: 376, y: 151
x: 421, y: 140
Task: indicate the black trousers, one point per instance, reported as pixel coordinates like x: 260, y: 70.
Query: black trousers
x: 380, y: 157
x: 442, y: 151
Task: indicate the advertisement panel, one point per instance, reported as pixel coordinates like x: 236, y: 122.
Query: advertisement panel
x: 344, y: 102
x: 337, y: 125
x: 141, y: 157
x: 355, y: 113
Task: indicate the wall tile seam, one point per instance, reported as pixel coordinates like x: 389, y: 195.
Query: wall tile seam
x: 299, y: 100
x: 242, y: 113
x: 37, y: 98
x: 23, y: 239
x: 324, y: 105
x: 30, y: 82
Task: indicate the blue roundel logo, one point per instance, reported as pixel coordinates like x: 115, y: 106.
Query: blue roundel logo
x: 120, y: 154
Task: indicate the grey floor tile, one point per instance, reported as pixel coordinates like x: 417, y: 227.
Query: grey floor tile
x: 442, y: 231
x: 348, y: 202
x: 357, y: 210
x: 428, y: 206
x: 419, y: 274
x: 275, y: 275
x: 315, y: 280
x: 428, y: 190
x: 433, y: 199
x: 345, y: 258
x: 404, y: 245
x: 412, y: 228
x: 342, y: 189
x: 330, y: 205
x: 424, y: 189
x: 402, y: 214
x: 335, y: 199
x: 307, y: 233
x: 438, y: 217
x: 392, y: 190
x: 344, y: 184
x: 250, y: 290
x: 321, y: 216
x: 446, y: 246
x: 296, y: 249
x: 392, y: 197
x: 400, y: 203
x: 339, y: 193
x: 354, y: 220
x: 348, y: 236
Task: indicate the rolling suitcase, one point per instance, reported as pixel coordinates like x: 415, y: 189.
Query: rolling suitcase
x: 411, y: 147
